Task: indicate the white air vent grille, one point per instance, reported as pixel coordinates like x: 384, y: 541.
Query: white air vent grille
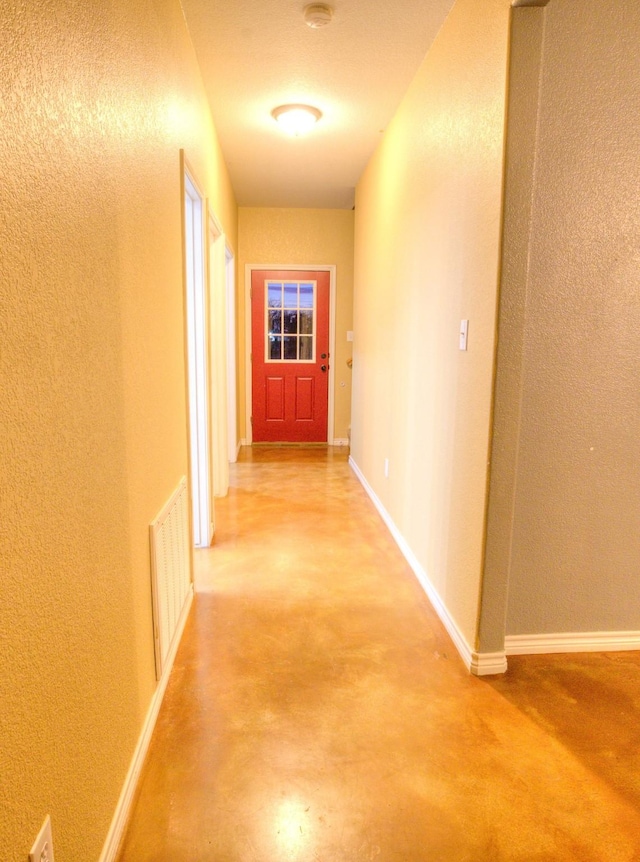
x: 170, y: 572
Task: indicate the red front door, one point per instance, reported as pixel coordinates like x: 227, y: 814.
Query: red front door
x: 290, y: 356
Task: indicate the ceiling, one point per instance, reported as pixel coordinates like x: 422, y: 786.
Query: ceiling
x: 255, y: 56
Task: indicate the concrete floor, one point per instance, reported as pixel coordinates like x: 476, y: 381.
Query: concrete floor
x: 318, y: 712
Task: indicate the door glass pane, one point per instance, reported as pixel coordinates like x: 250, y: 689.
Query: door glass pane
x: 291, y: 295
x: 306, y: 347
x: 275, y: 295
x: 291, y: 321
x: 306, y: 322
x: 306, y: 295
x: 275, y: 348
x: 290, y: 347
x: 275, y: 322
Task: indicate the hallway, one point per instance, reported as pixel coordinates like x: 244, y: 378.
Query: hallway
x: 317, y: 710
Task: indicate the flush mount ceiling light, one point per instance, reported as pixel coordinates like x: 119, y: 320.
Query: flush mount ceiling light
x: 296, y: 119
x: 318, y: 15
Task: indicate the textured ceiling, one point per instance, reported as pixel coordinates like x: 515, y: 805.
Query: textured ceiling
x: 255, y: 56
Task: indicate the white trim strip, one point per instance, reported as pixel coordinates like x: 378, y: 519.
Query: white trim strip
x: 565, y: 642
x: 488, y: 663
x: 123, y: 808
x: 480, y: 664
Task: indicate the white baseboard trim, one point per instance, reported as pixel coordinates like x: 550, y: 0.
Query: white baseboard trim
x: 337, y: 441
x: 571, y: 642
x: 480, y: 664
x: 488, y: 663
x: 123, y: 808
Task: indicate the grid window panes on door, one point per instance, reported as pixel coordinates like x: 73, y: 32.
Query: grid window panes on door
x: 290, y: 321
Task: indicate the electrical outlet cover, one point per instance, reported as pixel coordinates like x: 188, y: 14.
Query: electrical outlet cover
x: 42, y: 850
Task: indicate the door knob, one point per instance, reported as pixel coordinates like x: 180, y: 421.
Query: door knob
x: 323, y: 368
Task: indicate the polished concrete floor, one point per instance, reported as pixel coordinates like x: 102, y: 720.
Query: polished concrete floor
x: 318, y: 712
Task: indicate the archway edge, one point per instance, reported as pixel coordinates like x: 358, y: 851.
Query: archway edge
x: 517, y: 3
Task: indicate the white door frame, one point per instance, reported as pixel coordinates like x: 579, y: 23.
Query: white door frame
x: 218, y: 336
x: 232, y: 391
x: 310, y: 267
x: 196, y: 336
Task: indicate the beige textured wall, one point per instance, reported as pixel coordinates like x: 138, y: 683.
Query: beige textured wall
x: 272, y: 236
x: 428, y: 211
x: 576, y: 546
x: 92, y: 429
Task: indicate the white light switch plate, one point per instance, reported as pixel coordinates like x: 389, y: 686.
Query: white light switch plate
x: 42, y: 850
x: 464, y: 331
x: 349, y: 335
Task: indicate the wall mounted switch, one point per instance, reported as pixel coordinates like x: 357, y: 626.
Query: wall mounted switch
x: 464, y: 331
x: 349, y: 335
x: 42, y: 850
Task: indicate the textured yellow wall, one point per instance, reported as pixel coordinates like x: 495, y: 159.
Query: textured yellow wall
x: 575, y: 553
x: 428, y: 212
x: 273, y: 236
x: 96, y: 106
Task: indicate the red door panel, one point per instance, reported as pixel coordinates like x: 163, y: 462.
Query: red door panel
x: 290, y: 355
x: 274, y: 399
x: 304, y: 399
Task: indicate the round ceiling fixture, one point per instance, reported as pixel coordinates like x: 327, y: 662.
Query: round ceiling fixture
x: 296, y: 119
x: 318, y: 15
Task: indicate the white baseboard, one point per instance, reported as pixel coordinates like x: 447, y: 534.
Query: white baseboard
x: 572, y: 642
x: 488, y: 663
x: 480, y: 664
x: 337, y: 441
x: 123, y: 808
